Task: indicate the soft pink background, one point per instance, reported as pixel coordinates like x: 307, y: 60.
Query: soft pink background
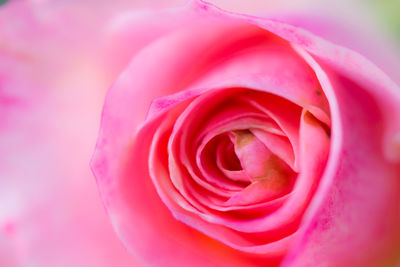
x: 56, y: 62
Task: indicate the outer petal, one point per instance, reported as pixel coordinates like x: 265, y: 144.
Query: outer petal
x: 353, y: 24
x: 361, y: 207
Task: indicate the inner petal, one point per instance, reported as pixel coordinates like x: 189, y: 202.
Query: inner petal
x: 227, y: 157
x: 270, y: 177
x: 252, y: 153
x: 228, y: 162
x: 278, y: 145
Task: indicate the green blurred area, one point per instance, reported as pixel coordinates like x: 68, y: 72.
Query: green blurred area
x: 2, y: 2
x: 389, y: 12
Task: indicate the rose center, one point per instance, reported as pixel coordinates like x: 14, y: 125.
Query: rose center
x: 256, y: 159
x: 244, y: 158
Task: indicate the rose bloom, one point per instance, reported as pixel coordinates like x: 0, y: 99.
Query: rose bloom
x: 225, y: 139
x: 232, y: 140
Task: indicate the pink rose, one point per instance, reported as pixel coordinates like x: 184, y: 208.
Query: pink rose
x: 233, y: 140
x: 57, y: 59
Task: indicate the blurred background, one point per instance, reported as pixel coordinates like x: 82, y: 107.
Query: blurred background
x: 57, y: 60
